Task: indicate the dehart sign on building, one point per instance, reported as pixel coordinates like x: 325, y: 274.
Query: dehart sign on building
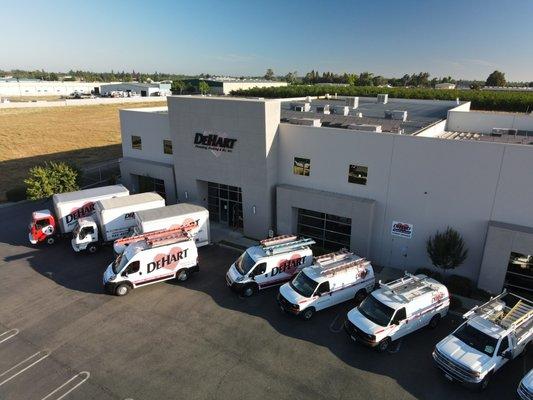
x: 215, y: 142
x: 402, y: 229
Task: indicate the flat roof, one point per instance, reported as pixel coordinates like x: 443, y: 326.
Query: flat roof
x: 420, y: 113
x: 521, y: 137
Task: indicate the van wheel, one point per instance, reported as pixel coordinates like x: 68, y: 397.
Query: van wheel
x: 122, y: 290
x: 434, y: 322
x: 182, y: 275
x: 50, y: 240
x: 383, y: 345
x: 92, y: 248
x: 249, y: 290
x: 308, y: 313
x: 360, y: 296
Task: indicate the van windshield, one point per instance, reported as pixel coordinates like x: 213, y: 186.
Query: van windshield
x: 376, y: 311
x: 303, y: 285
x: 244, y: 263
x: 476, y: 339
x: 119, y: 263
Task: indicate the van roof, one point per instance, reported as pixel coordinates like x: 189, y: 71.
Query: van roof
x: 117, y: 202
x: 402, y: 291
x: 168, y: 211
x: 335, y: 265
x: 94, y: 192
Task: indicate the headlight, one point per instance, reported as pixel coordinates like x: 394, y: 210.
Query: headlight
x: 239, y: 278
x: 112, y: 277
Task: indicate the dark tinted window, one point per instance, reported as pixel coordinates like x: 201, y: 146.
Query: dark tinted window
x: 167, y: 146
x: 136, y: 142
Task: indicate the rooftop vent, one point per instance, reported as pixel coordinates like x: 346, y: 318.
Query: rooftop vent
x: 352, y: 102
x: 503, y: 131
x: 308, y: 99
x: 340, y: 110
x: 323, y: 109
x: 383, y: 98
x: 365, y: 127
x: 301, y: 107
x: 306, y: 121
x: 396, y: 114
x: 359, y: 115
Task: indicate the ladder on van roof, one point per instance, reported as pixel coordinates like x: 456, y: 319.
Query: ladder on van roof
x: 157, y: 238
x: 408, y: 287
x: 339, y: 261
x: 284, y: 243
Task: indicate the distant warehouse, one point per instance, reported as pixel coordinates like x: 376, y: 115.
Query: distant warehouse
x: 140, y: 89
x: 227, y: 85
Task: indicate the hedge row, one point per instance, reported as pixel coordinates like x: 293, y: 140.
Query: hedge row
x: 481, y: 99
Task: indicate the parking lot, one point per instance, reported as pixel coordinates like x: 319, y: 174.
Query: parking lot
x: 62, y: 337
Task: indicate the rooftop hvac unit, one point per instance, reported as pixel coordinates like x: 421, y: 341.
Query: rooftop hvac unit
x: 359, y: 115
x: 396, y: 114
x: 306, y: 121
x: 383, y: 98
x: 302, y: 107
x: 352, y: 102
x: 340, y: 110
x: 323, y: 109
x: 327, y: 96
x: 503, y: 131
x: 308, y: 99
x: 365, y: 127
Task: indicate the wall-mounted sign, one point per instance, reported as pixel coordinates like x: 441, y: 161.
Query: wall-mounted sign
x: 217, y: 143
x: 402, y: 229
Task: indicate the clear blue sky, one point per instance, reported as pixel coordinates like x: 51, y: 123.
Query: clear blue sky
x: 462, y: 38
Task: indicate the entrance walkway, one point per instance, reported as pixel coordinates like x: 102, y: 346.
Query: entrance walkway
x: 221, y: 234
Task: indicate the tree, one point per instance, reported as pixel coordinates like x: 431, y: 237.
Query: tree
x: 378, y: 81
x: 269, y: 75
x: 203, y: 87
x: 497, y: 78
x: 447, y: 249
x: 50, y: 178
x: 291, y: 77
x: 365, y: 79
x: 177, y: 86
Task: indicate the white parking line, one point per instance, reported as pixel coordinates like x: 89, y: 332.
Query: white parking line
x: 332, y: 325
x: 38, y: 357
x: 84, y: 375
x: 8, y: 335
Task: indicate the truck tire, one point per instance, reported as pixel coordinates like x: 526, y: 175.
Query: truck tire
x: 91, y: 248
x: 434, y: 322
x: 182, y: 275
x: 308, y: 313
x: 383, y: 345
x: 360, y: 296
x: 122, y: 289
x: 50, y: 240
x: 249, y: 290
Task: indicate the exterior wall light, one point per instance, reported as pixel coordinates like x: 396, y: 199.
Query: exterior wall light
x: 254, y: 210
x: 186, y: 195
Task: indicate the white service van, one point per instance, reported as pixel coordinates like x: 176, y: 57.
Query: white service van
x: 332, y: 279
x: 396, y: 309
x: 525, y: 388
x: 493, y: 334
x: 156, y: 258
x: 273, y: 262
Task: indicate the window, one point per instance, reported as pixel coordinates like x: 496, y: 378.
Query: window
x: 504, y: 345
x: 260, y: 269
x: 136, y: 142
x: 132, y: 268
x: 167, y: 146
x: 399, y: 316
x: 301, y: 166
x: 330, y: 232
x: 323, y: 288
x: 357, y: 174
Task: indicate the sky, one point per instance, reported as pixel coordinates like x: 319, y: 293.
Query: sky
x: 462, y: 38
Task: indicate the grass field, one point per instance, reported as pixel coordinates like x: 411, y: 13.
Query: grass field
x: 82, y: 135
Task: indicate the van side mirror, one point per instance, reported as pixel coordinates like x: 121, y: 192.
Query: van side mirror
x: 507, y: 354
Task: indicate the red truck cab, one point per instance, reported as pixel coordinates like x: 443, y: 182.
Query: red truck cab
x: 42, y: 227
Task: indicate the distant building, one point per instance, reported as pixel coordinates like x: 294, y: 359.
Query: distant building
x: 224, y: 86
x: 445, y: 86
x: 13, y: 87
x: 141, y: 89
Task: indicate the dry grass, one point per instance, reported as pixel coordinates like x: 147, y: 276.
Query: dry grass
x: 82, y: 135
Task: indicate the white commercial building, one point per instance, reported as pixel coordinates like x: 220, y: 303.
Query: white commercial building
x: 140, y: 89
x: 380, y: 179
x: 14, y: 88
x: 224, y: 86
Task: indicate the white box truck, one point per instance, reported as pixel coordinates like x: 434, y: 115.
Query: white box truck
x: 113, y: 219
x: 493, y: 334
x: 190, y: 217
x: 155, y: 258
x: 47, y: 226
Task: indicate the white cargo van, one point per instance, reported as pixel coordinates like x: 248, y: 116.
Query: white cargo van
x: 192, y: 218
x: 493, y: 334
x: 157, y: 258
x: 332, y: 279
x: 525, y: 388
x: 273, y: 262
x: 397, y: 309
x: 113, y: 219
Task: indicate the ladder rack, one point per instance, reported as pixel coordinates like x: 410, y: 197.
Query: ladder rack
x: 344, y: 265
x: 283, y: 244
x: 332, y: 257
x: 409, y: 286
x: 485, y: 310
x: 157, y: 238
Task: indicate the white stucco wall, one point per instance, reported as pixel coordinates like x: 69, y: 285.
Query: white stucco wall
x: 45, y: 88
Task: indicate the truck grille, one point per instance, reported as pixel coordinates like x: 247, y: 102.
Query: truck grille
x: 524, y: 393
x: 228, y: 280
x: 286, y: 304
x: 353, y: 330
x: 454, y: 369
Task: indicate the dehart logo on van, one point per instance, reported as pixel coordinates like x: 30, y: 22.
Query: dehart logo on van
x: 168, y: 261
x: 288, y: 266
x: 217, y: 143
x: 77, y: 213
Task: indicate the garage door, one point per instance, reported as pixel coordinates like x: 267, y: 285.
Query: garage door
x: 331, y: 232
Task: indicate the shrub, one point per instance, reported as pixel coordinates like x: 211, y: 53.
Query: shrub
x: 44, y: 181
x: 459, y: 285
x: 447, y: 249
x: 16, y: 194
x: 430, y: 272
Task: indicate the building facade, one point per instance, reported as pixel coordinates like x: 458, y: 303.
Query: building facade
x: 258, y: 166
